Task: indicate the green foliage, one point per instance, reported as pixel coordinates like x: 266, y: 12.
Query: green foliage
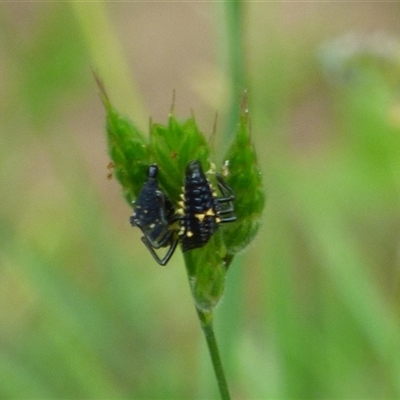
x: 52, y: 62
x: 311, y: 311
x: 243, y: 174
x: 172, y: 147
x: 206, y: 270
x: 127, y: 149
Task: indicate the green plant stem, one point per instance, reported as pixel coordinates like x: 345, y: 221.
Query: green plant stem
x: 207, y: 326
x: 108, y: 59
x: 236, y: 67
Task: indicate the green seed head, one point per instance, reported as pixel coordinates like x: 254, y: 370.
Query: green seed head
x: 172, y: 147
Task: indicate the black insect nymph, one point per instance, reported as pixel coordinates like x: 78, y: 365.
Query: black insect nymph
x: 202, y: 211
x: 153, y: 213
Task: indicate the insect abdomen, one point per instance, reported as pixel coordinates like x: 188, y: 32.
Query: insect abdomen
x: 199, y: 221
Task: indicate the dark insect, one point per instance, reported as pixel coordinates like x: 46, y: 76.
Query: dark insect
x: 202, y: 211
x: 154, y: 213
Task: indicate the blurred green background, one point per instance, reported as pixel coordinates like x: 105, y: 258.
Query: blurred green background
x: 312, y: 308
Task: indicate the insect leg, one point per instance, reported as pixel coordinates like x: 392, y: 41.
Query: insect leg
x: 232, y: 218
x: 227, y: 200
x: 168, y: 255
x: 223, y: 209
x: 226, y: 191
x: 170, y: 251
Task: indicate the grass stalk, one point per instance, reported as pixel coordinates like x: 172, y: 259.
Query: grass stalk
x: 207, y: 326
x: 235, y: 61
x: 108, y: 59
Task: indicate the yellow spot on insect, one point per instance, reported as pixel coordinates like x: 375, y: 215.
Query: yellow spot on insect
x: 217, y: 220
x: 181, y: 231
x: 189, y: 233
x: 200, y: 217
x: 181, y: 204
x: 180, y: 211
x: 210, y: 212
x: 182, y: 196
